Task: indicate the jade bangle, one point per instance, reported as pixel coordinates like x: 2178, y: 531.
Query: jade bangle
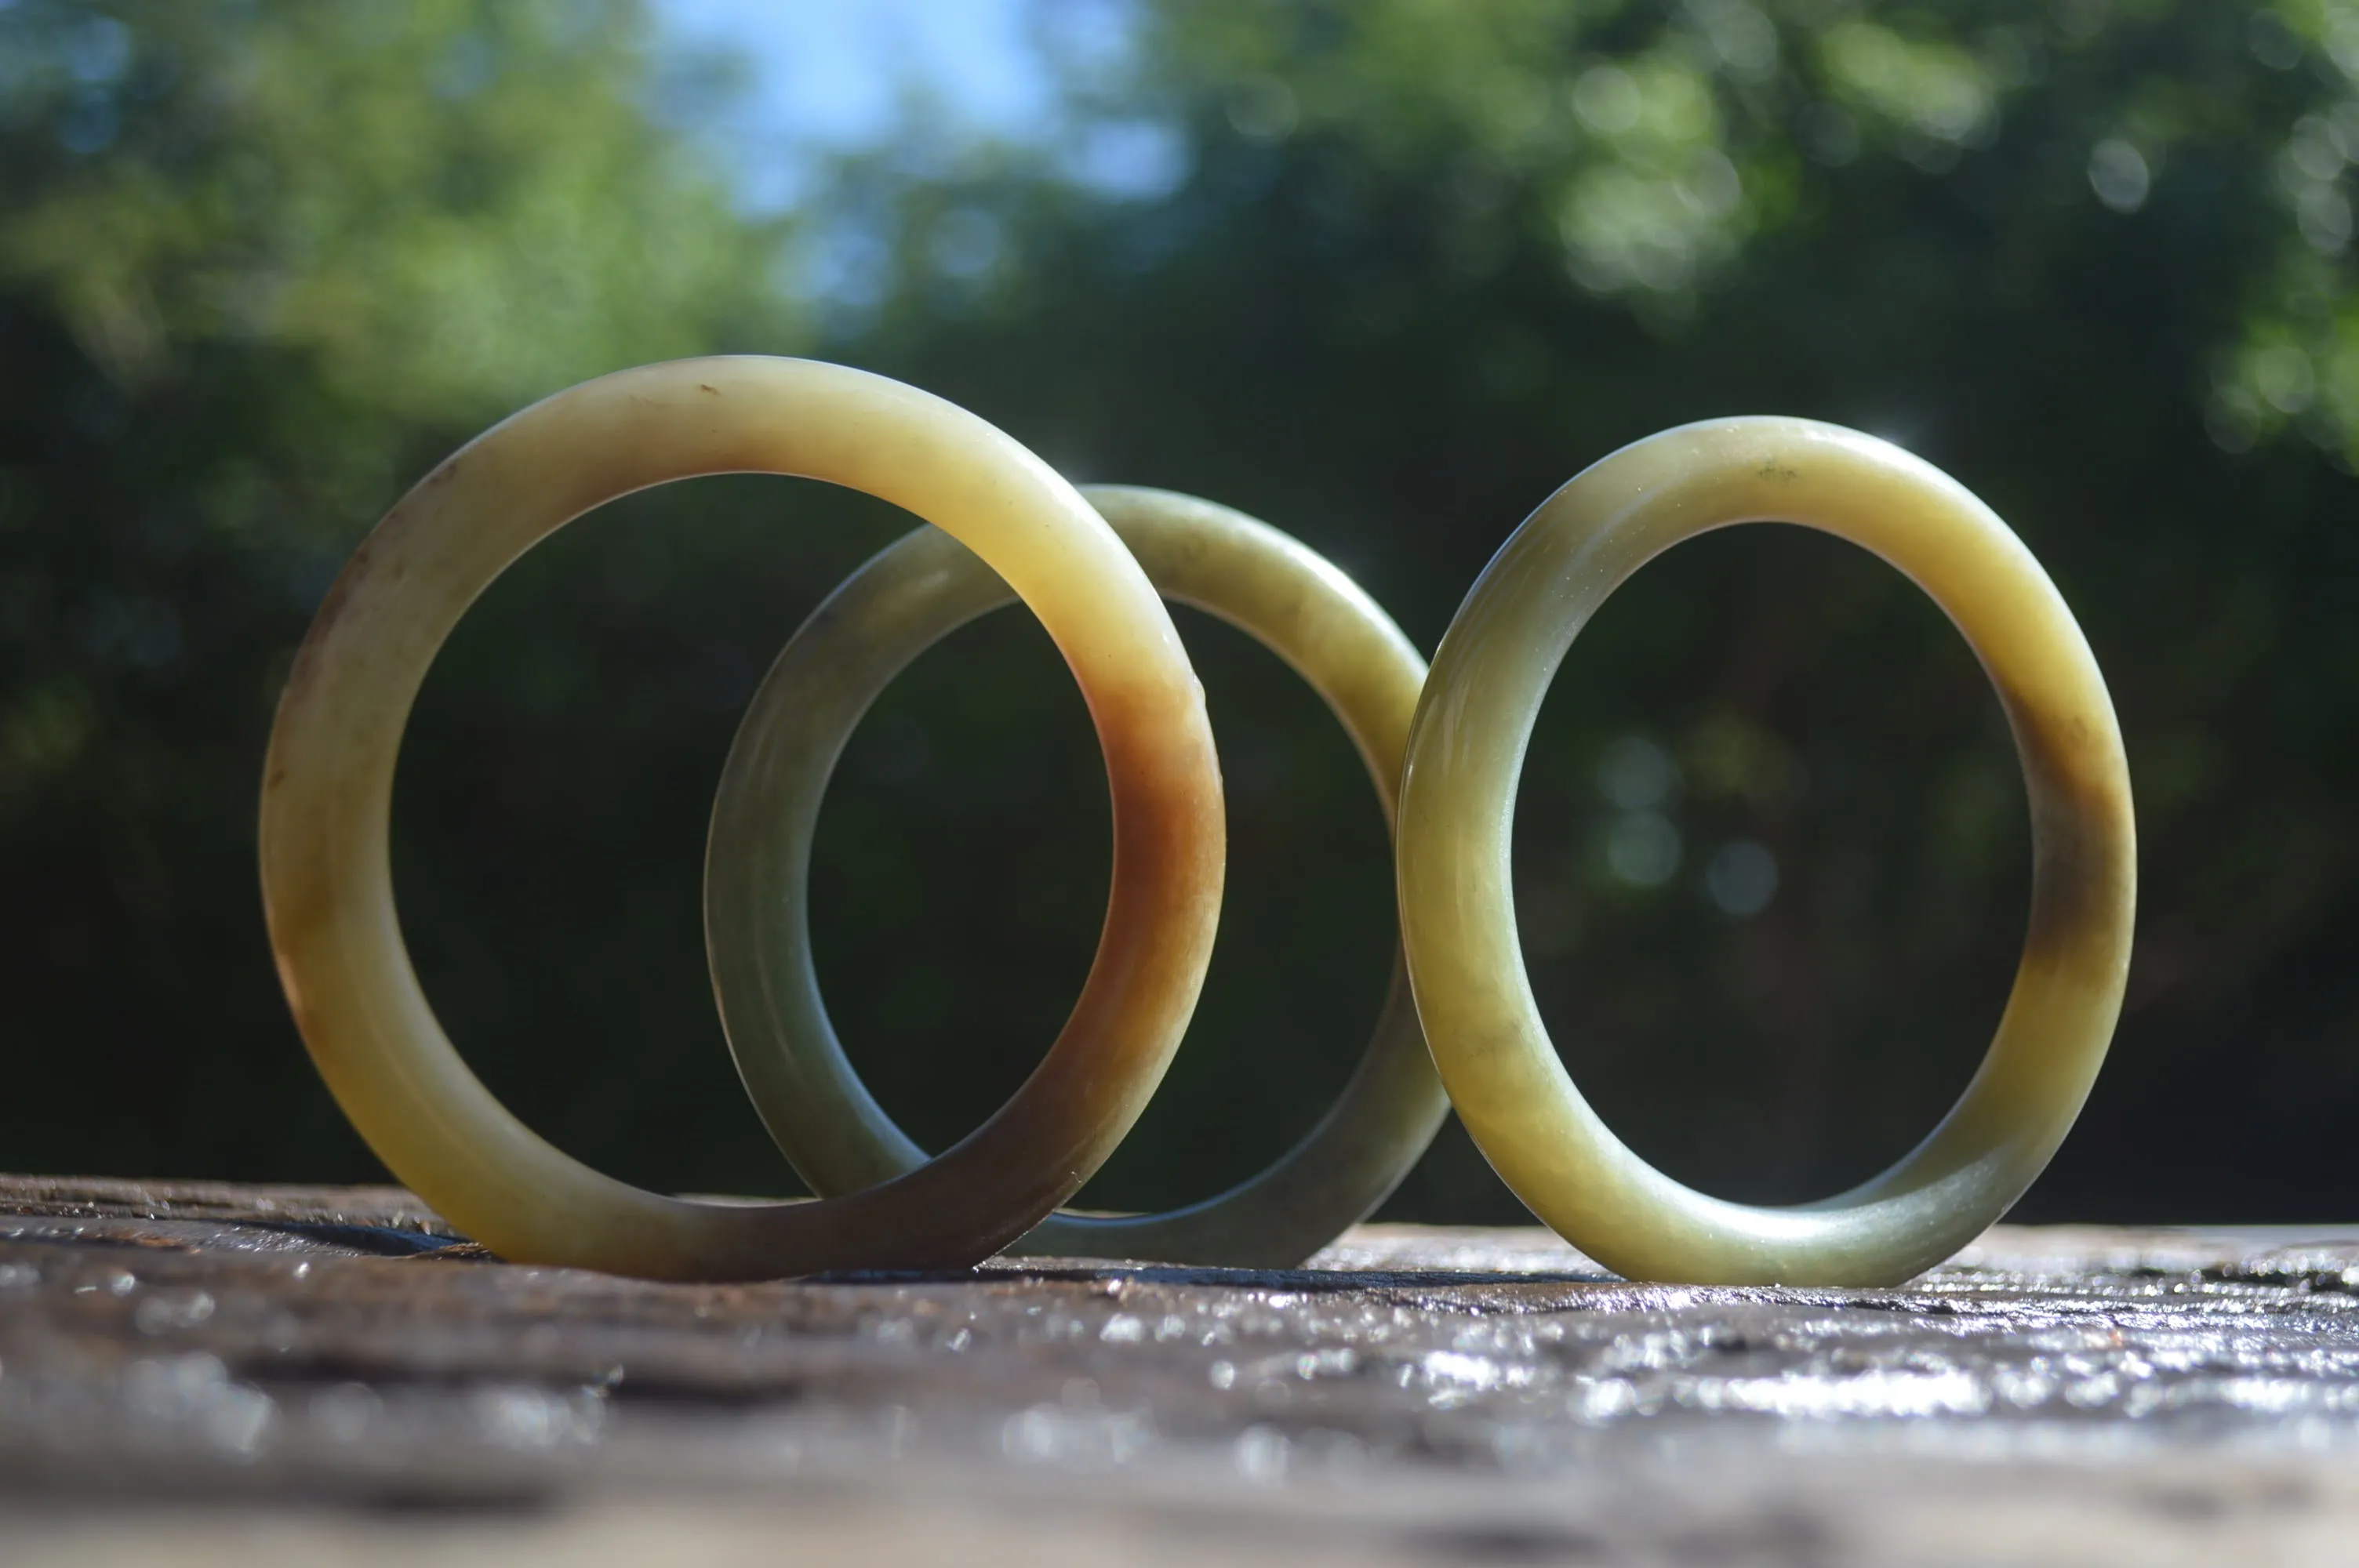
x: 328, y: 780
x: 757, y: 871
x: 1458, y: 921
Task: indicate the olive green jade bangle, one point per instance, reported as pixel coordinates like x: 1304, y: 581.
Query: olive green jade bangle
x: 758, y: 869
x: 328, y: 780
x: 1458, y: 923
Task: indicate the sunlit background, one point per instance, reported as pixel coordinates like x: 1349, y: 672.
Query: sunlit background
x: 1384, y: 274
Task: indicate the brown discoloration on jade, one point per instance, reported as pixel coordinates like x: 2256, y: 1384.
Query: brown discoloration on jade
x: 2084, y: 852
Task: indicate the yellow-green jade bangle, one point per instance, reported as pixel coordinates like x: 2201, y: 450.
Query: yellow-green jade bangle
x: 330, y: 775
x: 1458, y: 923
x: 758, y: 869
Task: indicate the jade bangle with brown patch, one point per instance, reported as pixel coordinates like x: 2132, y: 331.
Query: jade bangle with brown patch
x: 758, y: 865
x: 1458, y: 918
x: 330, y: 776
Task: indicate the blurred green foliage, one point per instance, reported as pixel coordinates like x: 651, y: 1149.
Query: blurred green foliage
x: 1382, y: 273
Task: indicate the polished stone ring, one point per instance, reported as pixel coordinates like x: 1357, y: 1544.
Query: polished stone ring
x: 329, y: 779
x: 1457, y: 814
x: 758, y: 869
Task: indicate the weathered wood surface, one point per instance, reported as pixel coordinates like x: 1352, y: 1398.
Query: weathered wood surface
x: 259, y: 1375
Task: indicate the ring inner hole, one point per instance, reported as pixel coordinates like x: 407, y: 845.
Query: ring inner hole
x: 550, y: 807
x: 965, y: 832
x: 1772, y: 863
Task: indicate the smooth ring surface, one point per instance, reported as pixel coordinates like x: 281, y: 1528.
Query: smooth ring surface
x: 329, y: 777
x: 758, y: 869
x: 1457, y: 813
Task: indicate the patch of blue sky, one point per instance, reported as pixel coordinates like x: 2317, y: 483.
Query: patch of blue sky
x: 817, y: 79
